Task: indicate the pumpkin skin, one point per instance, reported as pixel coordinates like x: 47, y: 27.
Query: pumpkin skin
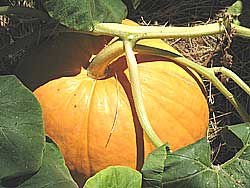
x: 79, y: 112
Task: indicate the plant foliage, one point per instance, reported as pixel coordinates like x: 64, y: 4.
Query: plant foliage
x: 83, y: 14
x: 192, y: 167
x: 26, y: 159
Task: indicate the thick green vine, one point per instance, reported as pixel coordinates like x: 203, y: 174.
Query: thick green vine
x: 149, y: 32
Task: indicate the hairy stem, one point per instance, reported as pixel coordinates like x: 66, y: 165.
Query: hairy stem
x: 241, y: 31
x: 144, y: 32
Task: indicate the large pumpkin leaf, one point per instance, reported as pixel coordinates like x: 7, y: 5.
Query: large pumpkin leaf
x: 241, y: 131
x: 84, y: 14
x: 191, y: 167
x: 154, y: 167
x: 21, y: 129
x: 115, y: 176
x: 52, y: 174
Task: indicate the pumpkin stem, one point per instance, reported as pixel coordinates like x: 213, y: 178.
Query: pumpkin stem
x: 98, y: 70
x: 98, y: 66
x: 137, y: 94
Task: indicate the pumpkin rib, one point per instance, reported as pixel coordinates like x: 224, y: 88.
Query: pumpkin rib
x: 116, y: 109
x: 79, y: 149
x: 177, y: 76
x: 89, y: 107
x: 188, y: 109
x: 140, y: 142
x: 197, y: 119
x: 147, y: 69
x: 184, y: 129
x: 116, y: 114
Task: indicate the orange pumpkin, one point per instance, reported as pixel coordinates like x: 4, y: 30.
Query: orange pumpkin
x: 94, y: 121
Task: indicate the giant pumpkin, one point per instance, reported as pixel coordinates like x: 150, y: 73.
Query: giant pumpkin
x: 94, y: 122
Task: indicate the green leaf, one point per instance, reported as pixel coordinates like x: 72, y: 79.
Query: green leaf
x: 21, y: 129
x: 191, y: 167
x: 239, y: 167
x: 52, y: 174
x: 154, y: 166
x: 115, y: 176
x: 25, y: 162
x: 235, y: 9
x: 241, y: 131
x: 84, y: 14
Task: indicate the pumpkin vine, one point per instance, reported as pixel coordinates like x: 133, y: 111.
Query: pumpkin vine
x: 149, y: 32
x: 131, y: 34
x: 98, y: 69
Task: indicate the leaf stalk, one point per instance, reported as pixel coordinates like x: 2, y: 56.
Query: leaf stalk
x: 137, y: 93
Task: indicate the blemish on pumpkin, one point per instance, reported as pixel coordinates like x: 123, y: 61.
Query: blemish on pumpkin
x: 75, y: 106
